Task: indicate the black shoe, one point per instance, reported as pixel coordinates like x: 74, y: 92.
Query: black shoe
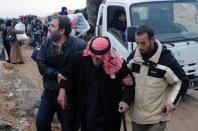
x: 8, y: 61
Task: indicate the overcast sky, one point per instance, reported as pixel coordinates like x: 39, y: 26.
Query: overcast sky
x: 14, y: 8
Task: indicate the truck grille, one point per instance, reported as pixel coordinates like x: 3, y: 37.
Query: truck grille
x: 191, y: 69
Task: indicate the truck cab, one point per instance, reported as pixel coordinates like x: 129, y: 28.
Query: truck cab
x: 175, y: 23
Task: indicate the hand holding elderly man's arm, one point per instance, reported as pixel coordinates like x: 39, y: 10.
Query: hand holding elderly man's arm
x: 128, y: 93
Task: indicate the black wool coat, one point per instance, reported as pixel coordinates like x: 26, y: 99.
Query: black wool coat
x: 78, y: 76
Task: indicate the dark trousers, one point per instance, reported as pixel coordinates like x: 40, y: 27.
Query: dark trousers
x: 149, y: 127
x: 94, y: 117
x: 48, y: 107
x: 8, y: 48
x: 102, y: 123
x: 94, y: 124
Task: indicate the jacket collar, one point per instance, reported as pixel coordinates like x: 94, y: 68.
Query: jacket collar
x: 155, y: 58
x: 67, y: 42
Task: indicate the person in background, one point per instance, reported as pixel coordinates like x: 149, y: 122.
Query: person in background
x: 119, y: 21
x: 118, y: 25
x: 90, y: 34
x: 63, y: 11
x: 15, y: 52
x: 6, y: 43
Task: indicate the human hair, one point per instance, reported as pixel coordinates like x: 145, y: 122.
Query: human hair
x: 145, y: 29
x: 118, y: 13
x: 91, y: 30
x: 63, y: 9
x: 64, y: 23
x: 10, y: 29
x: 9, y: 22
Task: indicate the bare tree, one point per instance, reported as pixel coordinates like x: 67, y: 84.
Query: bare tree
x: 92, y: 10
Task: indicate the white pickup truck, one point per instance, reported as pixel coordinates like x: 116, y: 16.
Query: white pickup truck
x: 180, y: 15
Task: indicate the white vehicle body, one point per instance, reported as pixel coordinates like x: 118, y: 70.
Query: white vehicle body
x: 183, y: 14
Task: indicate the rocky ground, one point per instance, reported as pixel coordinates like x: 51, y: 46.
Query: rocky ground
x: 21, y: 86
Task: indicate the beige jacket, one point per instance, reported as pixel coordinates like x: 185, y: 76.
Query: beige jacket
x: 154, y: 86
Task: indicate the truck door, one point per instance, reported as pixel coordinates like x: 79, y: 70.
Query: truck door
x: 116, y: 31
x: 99, y: 21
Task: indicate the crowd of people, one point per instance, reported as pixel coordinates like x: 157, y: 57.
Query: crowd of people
x: 90, y: 86
x: 35, y: 28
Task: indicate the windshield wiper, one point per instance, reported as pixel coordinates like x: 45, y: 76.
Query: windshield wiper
x: 167, y: 42
x: 178, y: 39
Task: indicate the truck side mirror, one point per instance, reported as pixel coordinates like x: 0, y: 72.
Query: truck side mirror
x: 131, y: 34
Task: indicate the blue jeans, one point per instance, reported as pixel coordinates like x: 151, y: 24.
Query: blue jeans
x: 48, y: 107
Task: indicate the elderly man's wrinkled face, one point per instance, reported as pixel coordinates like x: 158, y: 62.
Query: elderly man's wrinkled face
x: 97, y: 61
x: 54, y: 30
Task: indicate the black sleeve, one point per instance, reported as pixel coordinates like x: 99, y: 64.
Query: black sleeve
x: 66, y: 84
x: 43, y: 67
x: 128, y: 94
x: 71, y: 71
x: 79, y: 44
x: 67, y: 71
x: 130, y: 56
x: 124, y: 71
x: 128, y: 91
x: 177, y: 79
x: 180, y: 73
x: 4, y: 37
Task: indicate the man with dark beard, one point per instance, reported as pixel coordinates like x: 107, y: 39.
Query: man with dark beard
x: 55, y: 53
x: 119, y: 20
x: 160, y: 82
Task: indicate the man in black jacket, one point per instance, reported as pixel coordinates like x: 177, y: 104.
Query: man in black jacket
x: 54, y: 54
x: 98, y: 74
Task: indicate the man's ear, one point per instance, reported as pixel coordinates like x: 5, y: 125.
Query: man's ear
x: 153, y: 39
x: 119, y: 18
x: 62, y: 31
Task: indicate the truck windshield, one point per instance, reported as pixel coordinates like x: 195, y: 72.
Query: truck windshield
x: 171, y: 21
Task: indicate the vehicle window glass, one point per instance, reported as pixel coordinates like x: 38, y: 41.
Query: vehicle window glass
x: 117, y: 23
x: 170, y: 20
